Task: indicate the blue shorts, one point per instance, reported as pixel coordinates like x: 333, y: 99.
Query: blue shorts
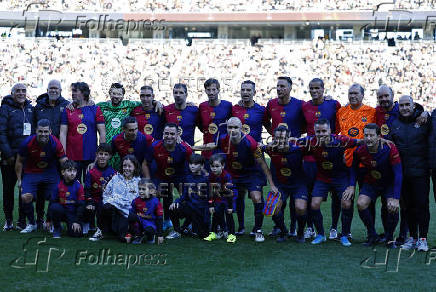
x: 147, y: 223
x: 294, y: 190
x: 309, y: 168
x: 45, y: 183
x: 374, y: 191
x: 337, y: 187
x: 252, y: 183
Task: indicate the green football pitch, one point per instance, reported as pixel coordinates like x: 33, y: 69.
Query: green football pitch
x: 38, y: 262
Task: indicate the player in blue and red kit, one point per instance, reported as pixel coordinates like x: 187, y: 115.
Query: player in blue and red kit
x: 171, y: 160
x: 287, y: 174
x: 313, y: 110
x: 332, y: 175
x: 149, y: 121
x: 381, y: 176
x: 222, y: 201
x: 131, y: 141
x: 36, y: 168
x: 213, y: 114
x: 246, y: 165
x: 145, y: 216
x: 193, y: 204
x: 68, y: 202
x: 95, y: 181
x: 186, y: 116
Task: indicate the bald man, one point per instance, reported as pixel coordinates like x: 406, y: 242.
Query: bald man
x: 16, y: 124
x: 412, y: 142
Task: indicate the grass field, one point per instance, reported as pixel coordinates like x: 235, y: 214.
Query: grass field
x: 193, y: 265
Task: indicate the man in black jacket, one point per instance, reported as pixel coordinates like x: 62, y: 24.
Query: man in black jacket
x: 16, y: 123
x: 432, y: 152
x: 412, y: 141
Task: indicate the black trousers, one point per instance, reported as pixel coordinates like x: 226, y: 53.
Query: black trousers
x: 114, y: 220
x: 9, y: 180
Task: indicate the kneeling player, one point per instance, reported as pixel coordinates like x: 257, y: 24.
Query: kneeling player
x: 145, y: 217
x: 68, y: 202
x: 382, y: 176
x: 223, y: 200
x: 287, y: 174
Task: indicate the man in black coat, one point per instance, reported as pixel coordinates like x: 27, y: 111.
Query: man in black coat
x: 16, y: 123
x: 412, y: 141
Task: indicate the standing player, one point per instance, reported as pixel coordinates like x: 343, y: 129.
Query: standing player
x: 382, y: 176
x: 149, y: 121
x: 245, y: 163
x: 332, y: 175
x: 130, y: 141
x: 320, y: 108
x: 171, y: 158
x: 213, y: 114
x: 36, y: 168
x: 184, y: 115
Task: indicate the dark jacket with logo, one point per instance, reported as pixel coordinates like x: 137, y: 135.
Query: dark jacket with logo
x: 12, y: 119
x: 43, y: 110
x: 412, y: 142
x: 432, y: 142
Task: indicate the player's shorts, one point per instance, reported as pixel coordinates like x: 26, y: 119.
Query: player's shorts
x: 254, y: 182
x: 309, y: 168
x: 375, y: 191
x: 46, y: 184
x: 147, y: 223
x: 297, y: 190
x: 337, y: 186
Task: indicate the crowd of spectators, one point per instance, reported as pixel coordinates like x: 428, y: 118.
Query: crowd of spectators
x: 409, y: 67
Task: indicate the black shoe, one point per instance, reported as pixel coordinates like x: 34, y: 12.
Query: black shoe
x: 281, y: 238
x: 381, y: 238
x: 400, y: 240
x: 40, y: 225
x: 370, y: 242
x: 20, y: 226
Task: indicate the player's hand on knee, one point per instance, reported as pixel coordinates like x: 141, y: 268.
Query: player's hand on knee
x: 393, y: 205
x: 348, y: 194
x: 76, y: 227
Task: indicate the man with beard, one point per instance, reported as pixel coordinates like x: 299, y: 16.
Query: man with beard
x: 36, y: 170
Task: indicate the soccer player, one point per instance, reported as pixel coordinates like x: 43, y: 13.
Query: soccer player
x: 245, y: 163
x: 68, y: 202
x: 16, y: 118
x: 222, y: 201
x: 78, y: 133
x: 320, y: 108
x: 95, y: 181
x: 251, y: 114
x: 171, y: 159
x: 36, y: 168
x: 412, y: 143
x: 332, y: 175
x: 145, y: 217
x: 184, y: 115
x: 131, y: 141
x: 287, y: 174
x: 213, y: 114
x: 150, y: 122
x: 382, y: 176
x: 194, y: 201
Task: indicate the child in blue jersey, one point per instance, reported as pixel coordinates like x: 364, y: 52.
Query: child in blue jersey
x: 146, y: 214
x: 222, y: 201
x: 193, y: 204
x: 68, y: 202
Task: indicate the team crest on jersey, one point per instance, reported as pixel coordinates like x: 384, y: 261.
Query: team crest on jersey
x: 42, y: 154
x: 284, y: 160
x: 373, y: 163
x: 364, y: 119
x: 101, y: 178
x: 246, y: 116
x: 384, y: 129
x: 145, y: 209
x: 115, y: 123
x: 179, y: 118
x: 212, y: 114
x: 317, y: 114
x: 148, y: 129
x: 387, y: 117
x: 285, y: 171
x: 283, y: 114
x: 213, y: 128
x: 353, y: 132
x: 325, y: 154
x: 80, y: 116
x: 170, y: 171
x: 68, y: 193
x: 246, y: 129
x: 147, y: 116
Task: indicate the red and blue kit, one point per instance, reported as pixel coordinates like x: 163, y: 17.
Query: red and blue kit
x: 140, y: 147
x: 252, y: 119
x: 95, y: 180
x: 187, y: 119
x: 327, y: 110
x: 148, y: 211
x: 289, y: 115
x: 149, y: 122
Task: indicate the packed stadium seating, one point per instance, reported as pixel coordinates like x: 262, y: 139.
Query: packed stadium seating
x: 215, y: 6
